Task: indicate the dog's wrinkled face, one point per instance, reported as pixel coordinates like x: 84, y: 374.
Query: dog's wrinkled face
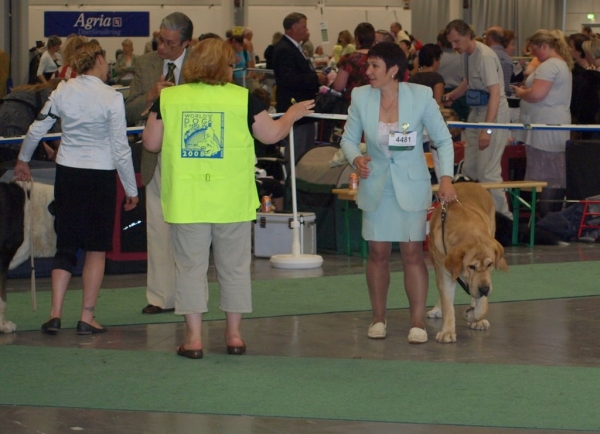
x: 474, y: 264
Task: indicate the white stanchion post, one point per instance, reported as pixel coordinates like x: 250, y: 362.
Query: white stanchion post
x: 295, y: 260
x: 295, y: 222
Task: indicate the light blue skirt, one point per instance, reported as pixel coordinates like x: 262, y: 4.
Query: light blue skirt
x: 391, y: 223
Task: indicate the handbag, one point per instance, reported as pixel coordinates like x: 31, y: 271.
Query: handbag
x: 477, y: 98
x: 327, y: 103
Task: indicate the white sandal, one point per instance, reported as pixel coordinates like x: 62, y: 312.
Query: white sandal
x: 377, y: 330
x: 417, y: 336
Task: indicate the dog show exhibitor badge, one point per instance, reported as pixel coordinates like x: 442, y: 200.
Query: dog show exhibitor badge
x: 202, y: 134
x: 402, y: 140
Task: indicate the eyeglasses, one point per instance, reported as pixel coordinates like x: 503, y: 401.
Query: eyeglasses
x: 169, y: 44
x: 100, y: 53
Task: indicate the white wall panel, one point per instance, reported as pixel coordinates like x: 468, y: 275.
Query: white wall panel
x: 580, y: 6
x: 577, y: 11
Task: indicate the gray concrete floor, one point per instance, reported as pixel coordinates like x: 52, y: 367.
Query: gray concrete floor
x: 546, y: 332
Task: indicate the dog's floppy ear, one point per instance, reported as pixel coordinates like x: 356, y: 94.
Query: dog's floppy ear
x: 500, y: 263
x: 454, y: 261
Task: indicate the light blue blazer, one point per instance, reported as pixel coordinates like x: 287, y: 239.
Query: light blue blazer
x: 408, y: 169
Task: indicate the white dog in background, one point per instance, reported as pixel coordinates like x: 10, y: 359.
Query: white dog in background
x: 24, y: 225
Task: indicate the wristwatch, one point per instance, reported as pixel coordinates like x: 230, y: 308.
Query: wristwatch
x: 489, y: 131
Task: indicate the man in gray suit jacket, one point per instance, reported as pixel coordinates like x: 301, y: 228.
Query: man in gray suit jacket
x: 153, y: 72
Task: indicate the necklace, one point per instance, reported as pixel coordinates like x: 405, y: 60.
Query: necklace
x: 385, y: 110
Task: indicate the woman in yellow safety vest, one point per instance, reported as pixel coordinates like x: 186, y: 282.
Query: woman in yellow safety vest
x: 205, y: 130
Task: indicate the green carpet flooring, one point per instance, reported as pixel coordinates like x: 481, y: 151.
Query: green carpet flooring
x: 314, y: 295
x: 472, y: 394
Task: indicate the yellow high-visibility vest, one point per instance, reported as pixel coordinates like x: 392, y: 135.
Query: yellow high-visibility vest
x: 207, y: 155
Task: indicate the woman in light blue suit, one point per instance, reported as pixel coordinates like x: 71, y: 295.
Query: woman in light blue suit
x: 395, y: 186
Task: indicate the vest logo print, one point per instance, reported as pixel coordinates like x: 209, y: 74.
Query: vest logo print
x: 202, y: 134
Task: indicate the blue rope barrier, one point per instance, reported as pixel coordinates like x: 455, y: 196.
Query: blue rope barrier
x: 452, y: 124
x: 56, y: 136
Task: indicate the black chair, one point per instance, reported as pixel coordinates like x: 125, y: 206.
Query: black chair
x: 583, y: 166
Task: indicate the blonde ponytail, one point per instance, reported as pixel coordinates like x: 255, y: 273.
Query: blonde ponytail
x: 556, y: 40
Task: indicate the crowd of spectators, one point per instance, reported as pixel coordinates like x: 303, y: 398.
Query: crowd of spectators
x: 440, y: 65
x: 474, y: 75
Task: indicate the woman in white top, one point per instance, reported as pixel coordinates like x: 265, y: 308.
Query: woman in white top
x: 546, y: 99
x: 93, y: 144
x: 51, y: 60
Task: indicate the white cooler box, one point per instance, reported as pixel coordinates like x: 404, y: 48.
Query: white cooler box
x: 273, y: 234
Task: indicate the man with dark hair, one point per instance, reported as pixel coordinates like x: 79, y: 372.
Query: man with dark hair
x: 296, y: 79
x: 153, y: 72
x: 494, y: 38
x: 587, y: 30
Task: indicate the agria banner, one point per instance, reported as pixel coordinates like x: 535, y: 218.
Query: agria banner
x: 97, y: 24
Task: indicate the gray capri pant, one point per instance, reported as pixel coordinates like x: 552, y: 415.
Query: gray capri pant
x: 231, y: 243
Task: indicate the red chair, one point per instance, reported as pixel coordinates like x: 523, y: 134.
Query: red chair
x: 513, y: 163
x: 586, y: 213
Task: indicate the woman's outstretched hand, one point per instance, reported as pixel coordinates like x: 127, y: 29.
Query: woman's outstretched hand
x: 301, y: 109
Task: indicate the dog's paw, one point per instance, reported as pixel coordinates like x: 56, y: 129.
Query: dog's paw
x: 481, y: 308
x: 470, y: 315
x: 7, y: 327
x: 479, y: 325
x: 436, y: 312
x: 445, y: 337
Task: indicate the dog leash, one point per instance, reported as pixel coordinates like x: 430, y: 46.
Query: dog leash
x: 461, y: 282
x: 31, y: 257
x: 28, y: 191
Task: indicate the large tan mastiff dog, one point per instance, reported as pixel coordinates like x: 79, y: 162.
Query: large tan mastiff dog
x: 462, y: 245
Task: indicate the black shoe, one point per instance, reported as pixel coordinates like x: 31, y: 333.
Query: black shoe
x: 236, y: 350
x: 190, y: 354
x: 151, y: 309
x: 84, y: 328
x: 52, y: 326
